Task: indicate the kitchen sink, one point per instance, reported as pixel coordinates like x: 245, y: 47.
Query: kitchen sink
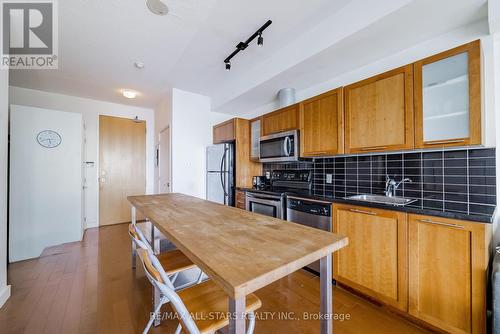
x: 396, y: 201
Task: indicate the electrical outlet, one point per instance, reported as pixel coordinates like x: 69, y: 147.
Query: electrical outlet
x: 329, y: 178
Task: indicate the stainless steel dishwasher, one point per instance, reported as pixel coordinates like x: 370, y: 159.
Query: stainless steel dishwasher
x: 312, y: 213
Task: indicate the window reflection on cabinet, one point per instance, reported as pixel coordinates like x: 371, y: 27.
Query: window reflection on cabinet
x: 447, y: 98
x: 255, y: 139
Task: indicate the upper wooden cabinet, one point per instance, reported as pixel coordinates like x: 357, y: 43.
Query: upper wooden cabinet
x: 285, y: 119
x: 379, y: 112
x: 255, y: 130
x: 224, y: 132
x: 322, y: 125
x: 448, y: 262
x: 448, y: 98
x: 375, y: 261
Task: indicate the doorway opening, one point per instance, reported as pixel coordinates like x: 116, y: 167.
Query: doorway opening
x: 164, y: 185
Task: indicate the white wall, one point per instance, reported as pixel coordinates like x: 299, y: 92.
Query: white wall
x: 46, y: 192
x: 191, y: 120
x: 4, y: 114
x: 91, y: 109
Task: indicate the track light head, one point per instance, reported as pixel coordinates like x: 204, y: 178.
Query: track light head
x: 260, y: 40
x: 228, y: 66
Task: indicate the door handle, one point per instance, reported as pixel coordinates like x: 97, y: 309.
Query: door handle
x: 371, y: 213
x: 428, y: 221
x: 373, y: 148
x: 451, y: 141
x: 287, y: 146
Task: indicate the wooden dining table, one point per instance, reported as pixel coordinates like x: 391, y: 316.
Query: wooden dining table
x: 242, y: 251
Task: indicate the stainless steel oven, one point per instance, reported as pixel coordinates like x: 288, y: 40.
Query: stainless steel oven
x: 280, y: 147
x: 269, y: 205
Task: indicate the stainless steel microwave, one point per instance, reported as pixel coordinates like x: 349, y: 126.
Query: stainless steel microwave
x: 280, y: 147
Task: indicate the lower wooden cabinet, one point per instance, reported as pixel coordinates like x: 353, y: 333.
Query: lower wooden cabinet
x: 240, y: 200
x: 434, y: 269
x: 448, y: 262
x: 375, y: 261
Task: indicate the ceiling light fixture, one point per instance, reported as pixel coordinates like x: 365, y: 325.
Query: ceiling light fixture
x: 129, y: 94
x: 157, y: 7
x: 139, y: 65
x: 243, y: 45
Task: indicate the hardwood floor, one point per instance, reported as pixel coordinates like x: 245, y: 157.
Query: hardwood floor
x: 89, y: 287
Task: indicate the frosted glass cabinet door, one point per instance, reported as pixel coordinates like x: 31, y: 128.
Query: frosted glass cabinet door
x: 447, y: 98
x: 255, y: 139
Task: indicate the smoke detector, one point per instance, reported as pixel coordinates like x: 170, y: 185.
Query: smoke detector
x: 157, y: 7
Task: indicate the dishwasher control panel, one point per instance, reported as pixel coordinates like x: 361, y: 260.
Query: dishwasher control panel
x: 310, y: 207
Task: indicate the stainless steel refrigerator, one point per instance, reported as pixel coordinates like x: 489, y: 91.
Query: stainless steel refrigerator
x: 220, y: 173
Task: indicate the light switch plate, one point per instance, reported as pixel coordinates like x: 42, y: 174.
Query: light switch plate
x: 329, y: 178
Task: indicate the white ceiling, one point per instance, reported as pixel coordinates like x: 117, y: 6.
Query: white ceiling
x: 308, y: 43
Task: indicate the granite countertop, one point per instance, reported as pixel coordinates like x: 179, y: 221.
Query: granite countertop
x: 410, y: 208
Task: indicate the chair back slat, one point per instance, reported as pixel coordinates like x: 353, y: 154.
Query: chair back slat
x: 138, y: 237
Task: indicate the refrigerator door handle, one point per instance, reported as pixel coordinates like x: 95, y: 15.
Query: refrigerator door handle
x: 222, y: 174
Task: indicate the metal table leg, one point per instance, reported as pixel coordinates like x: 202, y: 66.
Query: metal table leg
x: 326, y: 306
x: 134, y: 249
x: 237, y: 312
x: 152, y: 242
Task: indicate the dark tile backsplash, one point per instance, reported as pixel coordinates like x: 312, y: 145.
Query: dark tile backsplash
x: 461, y: 181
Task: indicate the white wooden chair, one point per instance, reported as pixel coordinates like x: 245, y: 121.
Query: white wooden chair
x: 204, y: 300
x: 173, y: 261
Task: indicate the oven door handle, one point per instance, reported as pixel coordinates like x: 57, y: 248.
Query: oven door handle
x: 272, y: 202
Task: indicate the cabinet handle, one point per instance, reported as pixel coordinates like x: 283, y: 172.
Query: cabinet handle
x: 373, y: 148
x: 452, y: 141
x: 428, y: 221
x: 364, y: 212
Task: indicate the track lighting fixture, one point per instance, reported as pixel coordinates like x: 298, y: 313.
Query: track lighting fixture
x: 243, y: 45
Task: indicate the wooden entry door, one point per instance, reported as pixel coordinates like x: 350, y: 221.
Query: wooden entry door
x: 122, y: 163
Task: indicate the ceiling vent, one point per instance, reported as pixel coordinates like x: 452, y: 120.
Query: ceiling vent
x: 286, y: 97
x: 157, y: 7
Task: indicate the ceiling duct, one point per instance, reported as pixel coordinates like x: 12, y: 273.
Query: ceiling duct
x: 286, y: 97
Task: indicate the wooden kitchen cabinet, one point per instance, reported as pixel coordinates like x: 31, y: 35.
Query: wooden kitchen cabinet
x: 322, y: 125
x: 448, y: 262
x: 285, y: 119
x: 240, y: 199
x: 379, y: 112
x: 255, y: 130
x: 225, y: 132
x: 375, y: 261
x: 448, y: 98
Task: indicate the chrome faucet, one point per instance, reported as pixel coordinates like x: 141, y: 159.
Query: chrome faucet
x: 391, y: 185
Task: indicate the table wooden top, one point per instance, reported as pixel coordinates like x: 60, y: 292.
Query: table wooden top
x: 240, y: 250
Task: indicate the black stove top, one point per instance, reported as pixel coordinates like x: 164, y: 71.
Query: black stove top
x: 297, y: 182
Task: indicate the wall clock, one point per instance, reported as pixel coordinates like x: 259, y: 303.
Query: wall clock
x: 49, y: 139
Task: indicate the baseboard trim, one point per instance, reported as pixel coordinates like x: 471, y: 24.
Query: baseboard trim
x: 4, y: 294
